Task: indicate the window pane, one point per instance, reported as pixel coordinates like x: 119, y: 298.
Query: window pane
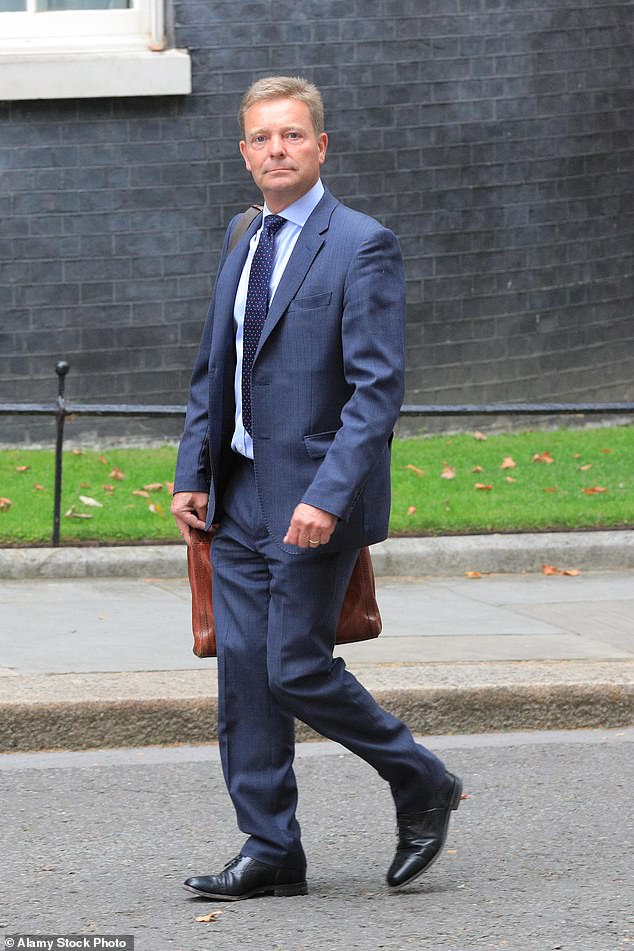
x: 12, y: 6
x: 46, y: 6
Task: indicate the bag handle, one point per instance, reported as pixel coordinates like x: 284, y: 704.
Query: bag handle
x: 245, y: 219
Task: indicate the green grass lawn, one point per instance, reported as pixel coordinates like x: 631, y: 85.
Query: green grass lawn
x: 122, y: 517
x: 530, y: 495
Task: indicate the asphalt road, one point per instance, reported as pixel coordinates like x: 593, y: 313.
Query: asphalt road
x: 539, y: 856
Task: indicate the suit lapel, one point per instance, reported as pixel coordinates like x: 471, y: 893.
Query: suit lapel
x: 302, y: 256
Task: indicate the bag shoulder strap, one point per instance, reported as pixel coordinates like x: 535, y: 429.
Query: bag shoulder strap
x: 242, y: 224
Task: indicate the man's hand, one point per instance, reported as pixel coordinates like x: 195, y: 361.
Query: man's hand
x: 310, y: 527
x: 190, y: 511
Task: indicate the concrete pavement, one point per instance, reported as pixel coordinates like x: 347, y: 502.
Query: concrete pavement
x: 106, y: 661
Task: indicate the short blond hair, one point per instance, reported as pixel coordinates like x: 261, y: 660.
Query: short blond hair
x: 284, y: 87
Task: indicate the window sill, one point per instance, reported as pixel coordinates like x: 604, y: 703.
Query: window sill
x: 72, y: 74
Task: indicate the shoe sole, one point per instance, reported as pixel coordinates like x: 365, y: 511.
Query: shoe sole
x: 456, y: 795
x: 276, y: 891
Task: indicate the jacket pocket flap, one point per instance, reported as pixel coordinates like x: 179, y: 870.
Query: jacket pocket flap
x: 318, y: 444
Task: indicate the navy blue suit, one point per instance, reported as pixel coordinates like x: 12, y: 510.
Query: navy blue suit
x: 327, y: 386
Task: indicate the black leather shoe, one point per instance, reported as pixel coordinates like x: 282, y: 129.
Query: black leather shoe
x: 421, y: 835
x: 244, y: 877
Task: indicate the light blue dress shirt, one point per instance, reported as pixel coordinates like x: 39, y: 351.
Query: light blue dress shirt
x: 297, y: 215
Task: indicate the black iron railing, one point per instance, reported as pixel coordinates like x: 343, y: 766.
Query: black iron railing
x: 61, y: 409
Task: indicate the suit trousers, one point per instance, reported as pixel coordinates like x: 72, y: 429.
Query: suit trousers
x: 276, y: 615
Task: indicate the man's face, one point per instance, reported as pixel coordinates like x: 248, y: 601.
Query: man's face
x: 281, y: 150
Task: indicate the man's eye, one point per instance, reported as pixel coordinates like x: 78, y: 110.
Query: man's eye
x: 258, y: 139
x: 293, y: 135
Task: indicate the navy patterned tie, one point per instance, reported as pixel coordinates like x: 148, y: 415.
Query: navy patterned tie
x: 256, y: 307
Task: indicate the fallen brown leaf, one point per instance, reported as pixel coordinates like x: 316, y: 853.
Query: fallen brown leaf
x: 103, y: 460
x: 411, y: 510
x: 108, y: 488
x: 473, y: 574
x: 212, y: 916
x: 154, y: 487
x: 595, y: 490
x: 448, y: 471
x: 483, y: 487
x: 606, y: 451
x: 543, y: 457
x: 5, y: 505
x: 509, y: 479
x: 84, y: 485
x: 551, y: 570
x: 39, y: 488
x: 169, y: 486
x: 157, y: 509
x: 508, y: 463
x: 419, y: 472
x: 477, y: 469
x: 585, y: 468
x: 22, y: 468
x: 116, y: 474
x: 479, y: 436
x: 141, y: 493
x: 550, y: 488
x: 78, y: 452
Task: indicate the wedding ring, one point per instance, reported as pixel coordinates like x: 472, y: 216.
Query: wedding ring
x: 313, y: 543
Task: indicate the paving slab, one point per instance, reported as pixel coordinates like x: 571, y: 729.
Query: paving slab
x: 588, y: 586
x: 420, y: 608
x: 456, y: 648
x: 613, y: 619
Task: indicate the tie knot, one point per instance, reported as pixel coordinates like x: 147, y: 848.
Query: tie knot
x: 273, y: 223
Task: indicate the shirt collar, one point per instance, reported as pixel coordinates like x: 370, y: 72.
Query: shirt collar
x: 300, y: 211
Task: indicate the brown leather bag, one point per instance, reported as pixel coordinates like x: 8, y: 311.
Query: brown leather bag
x: 359, y: 620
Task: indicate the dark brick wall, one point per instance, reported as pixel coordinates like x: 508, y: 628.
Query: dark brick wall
x: 496, y: 137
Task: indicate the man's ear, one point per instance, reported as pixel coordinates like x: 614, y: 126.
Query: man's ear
x: 322, y: 142
x: 243, y: 153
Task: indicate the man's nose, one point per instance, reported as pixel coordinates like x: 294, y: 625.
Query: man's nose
x: 277, y: 145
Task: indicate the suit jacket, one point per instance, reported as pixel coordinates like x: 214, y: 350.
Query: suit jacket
x: 327, y: 380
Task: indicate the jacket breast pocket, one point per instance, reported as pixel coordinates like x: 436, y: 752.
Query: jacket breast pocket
x: 312, y: 302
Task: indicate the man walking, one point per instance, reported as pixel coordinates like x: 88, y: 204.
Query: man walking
x: 294, y: 395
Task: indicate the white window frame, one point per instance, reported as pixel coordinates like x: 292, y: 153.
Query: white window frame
x: 72, y: 27
x: 90, y: 53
